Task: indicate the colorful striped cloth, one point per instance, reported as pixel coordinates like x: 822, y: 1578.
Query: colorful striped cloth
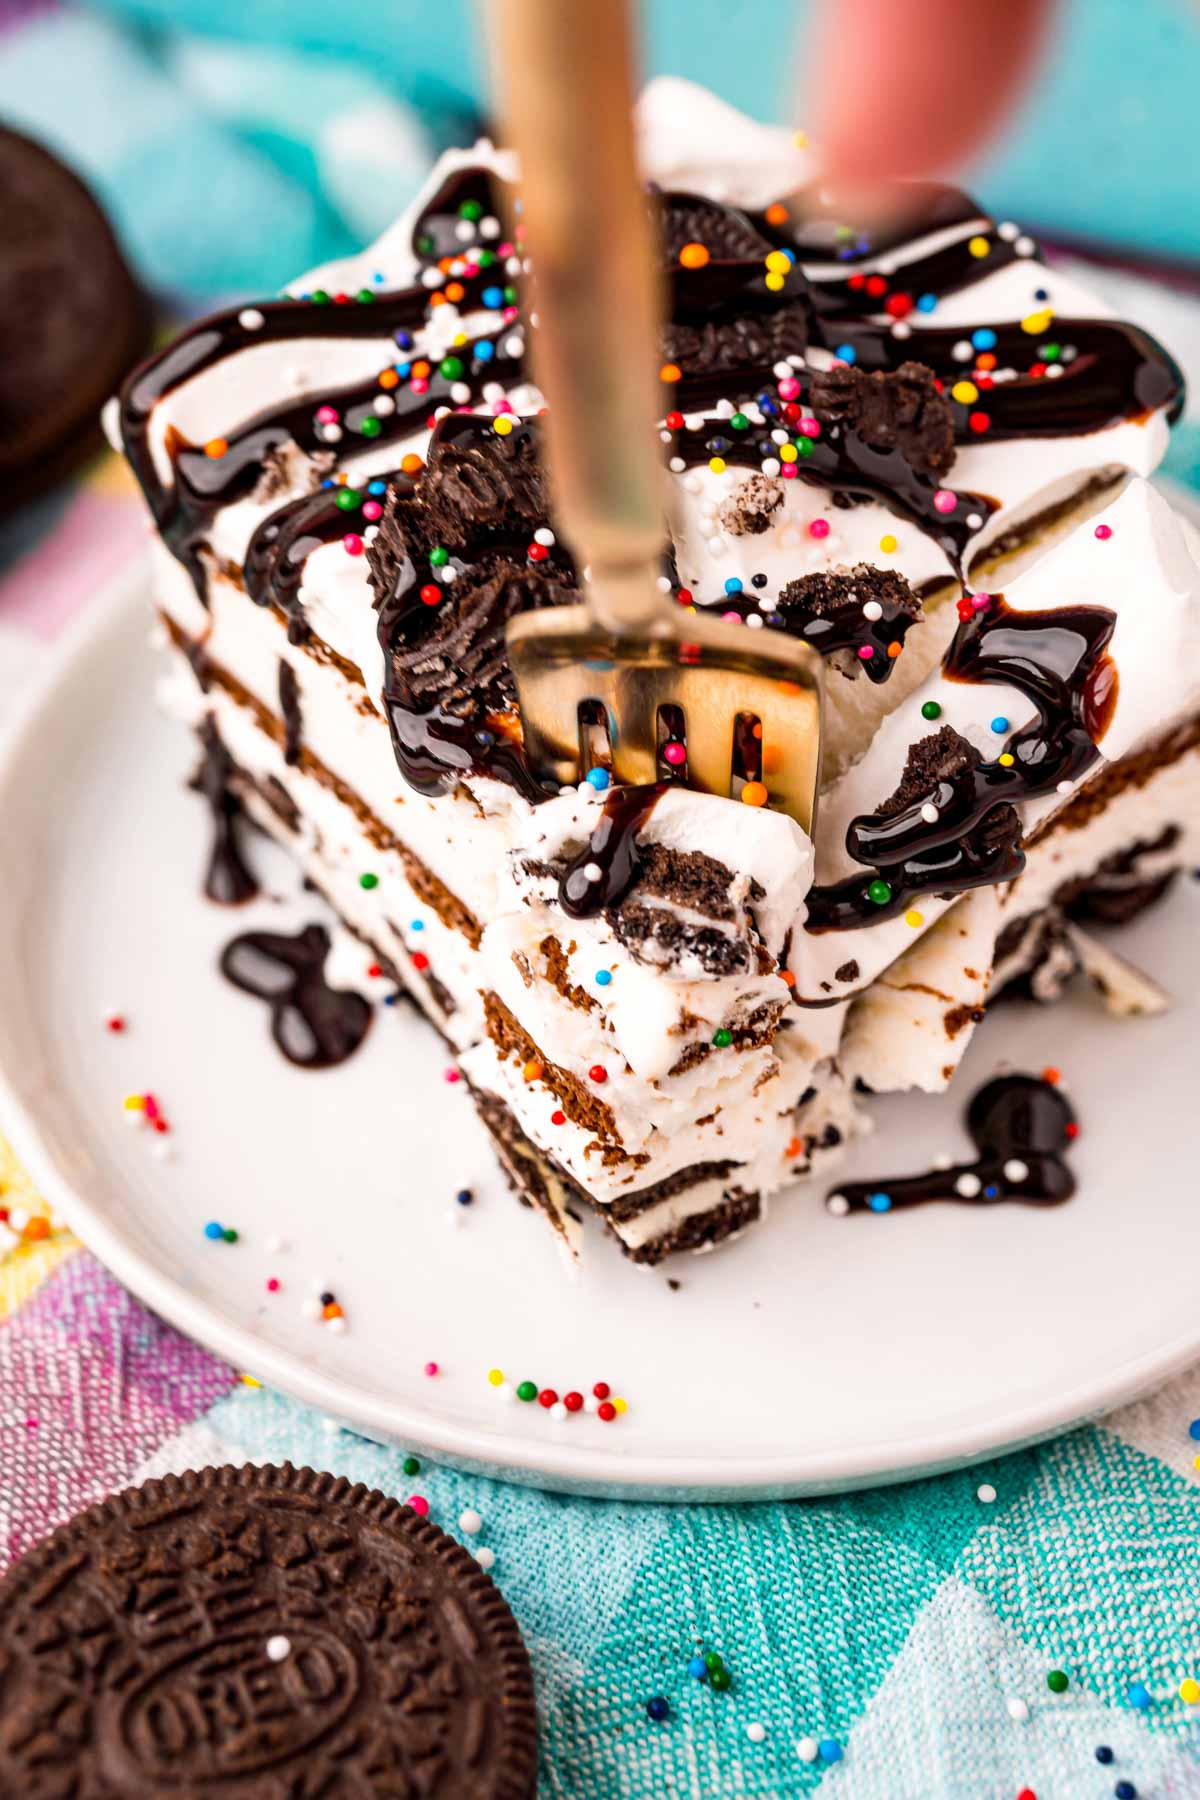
x: 885, y: 1646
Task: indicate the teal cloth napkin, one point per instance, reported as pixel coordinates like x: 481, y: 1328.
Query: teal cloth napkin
x: 226, y: 168
x: 896, y: 1633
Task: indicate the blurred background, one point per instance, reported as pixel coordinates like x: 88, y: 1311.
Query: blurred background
x: 236, y: 141
x: 233, y: 143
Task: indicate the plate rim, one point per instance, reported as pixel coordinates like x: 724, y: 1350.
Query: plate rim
x: 554, y: 1465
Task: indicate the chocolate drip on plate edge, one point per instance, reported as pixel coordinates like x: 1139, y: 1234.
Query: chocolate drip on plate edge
x: 227, y: 879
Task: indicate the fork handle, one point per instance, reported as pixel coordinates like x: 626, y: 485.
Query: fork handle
x: 564, y: 78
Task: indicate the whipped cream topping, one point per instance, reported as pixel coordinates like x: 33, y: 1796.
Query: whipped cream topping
x: 690, y: 142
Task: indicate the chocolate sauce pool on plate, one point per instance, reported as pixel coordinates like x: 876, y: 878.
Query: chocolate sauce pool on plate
x: 1021, y: 1126
x: 315, y: 1026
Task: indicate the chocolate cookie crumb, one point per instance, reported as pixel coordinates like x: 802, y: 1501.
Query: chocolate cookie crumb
x: 751, y: 508
x: 480, y: 500
x: 941, y: 756
x: 727, y: 234
x: 898, y: 409
x: 690, y: 878
x: 744, y: 341
x: 829, y: 591
x: 477, y: 489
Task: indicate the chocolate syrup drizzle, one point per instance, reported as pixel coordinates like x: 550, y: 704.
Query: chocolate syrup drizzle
x: 204, y: 483
x: 279, y: 551
x: 1021, y: 1126
x: 1057, y: 659
x: 847, y: 628
x: 1117, y: 371
x: 227, y: 880
x: 613, y: 850
x: 853, y: 469
x: 944, y: 271
x: 315, y: 1026
x: 732, y: 330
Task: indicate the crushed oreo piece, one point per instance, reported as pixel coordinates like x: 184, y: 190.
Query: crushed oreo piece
x: 1116, y: 891
x: 697, y: 883
x: 749, y: 340
x: 481, y: 497
x: 830, y: 591
x: 829, y: 610
x: 750, y: 509
x: 997, y: 835
x: 689, y: 878
x: 726, y: 234
x: 1035, y: 958
x: 462, y: 665
x: 899, y: 409
x: 942, y: 756
x: 292, y: 713
x: 848, y: 971
x: 654, y: 936
x: 477, y: 489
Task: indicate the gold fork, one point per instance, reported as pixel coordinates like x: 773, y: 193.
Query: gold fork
x: 650, y: 671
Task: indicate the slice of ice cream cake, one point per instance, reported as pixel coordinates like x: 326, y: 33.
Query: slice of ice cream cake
x: 665, y: 1001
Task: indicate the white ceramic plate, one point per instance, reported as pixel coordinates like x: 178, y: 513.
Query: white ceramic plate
x: 814, y: 1354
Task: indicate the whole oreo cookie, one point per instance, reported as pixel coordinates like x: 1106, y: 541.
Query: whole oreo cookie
x: 265, y: 1632
x: 73, y: 318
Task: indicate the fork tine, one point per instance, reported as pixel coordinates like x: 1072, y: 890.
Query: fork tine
x: 709, y: 669
x: 790, y: 719
x: 789, y: 716
x: 633, y: 695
